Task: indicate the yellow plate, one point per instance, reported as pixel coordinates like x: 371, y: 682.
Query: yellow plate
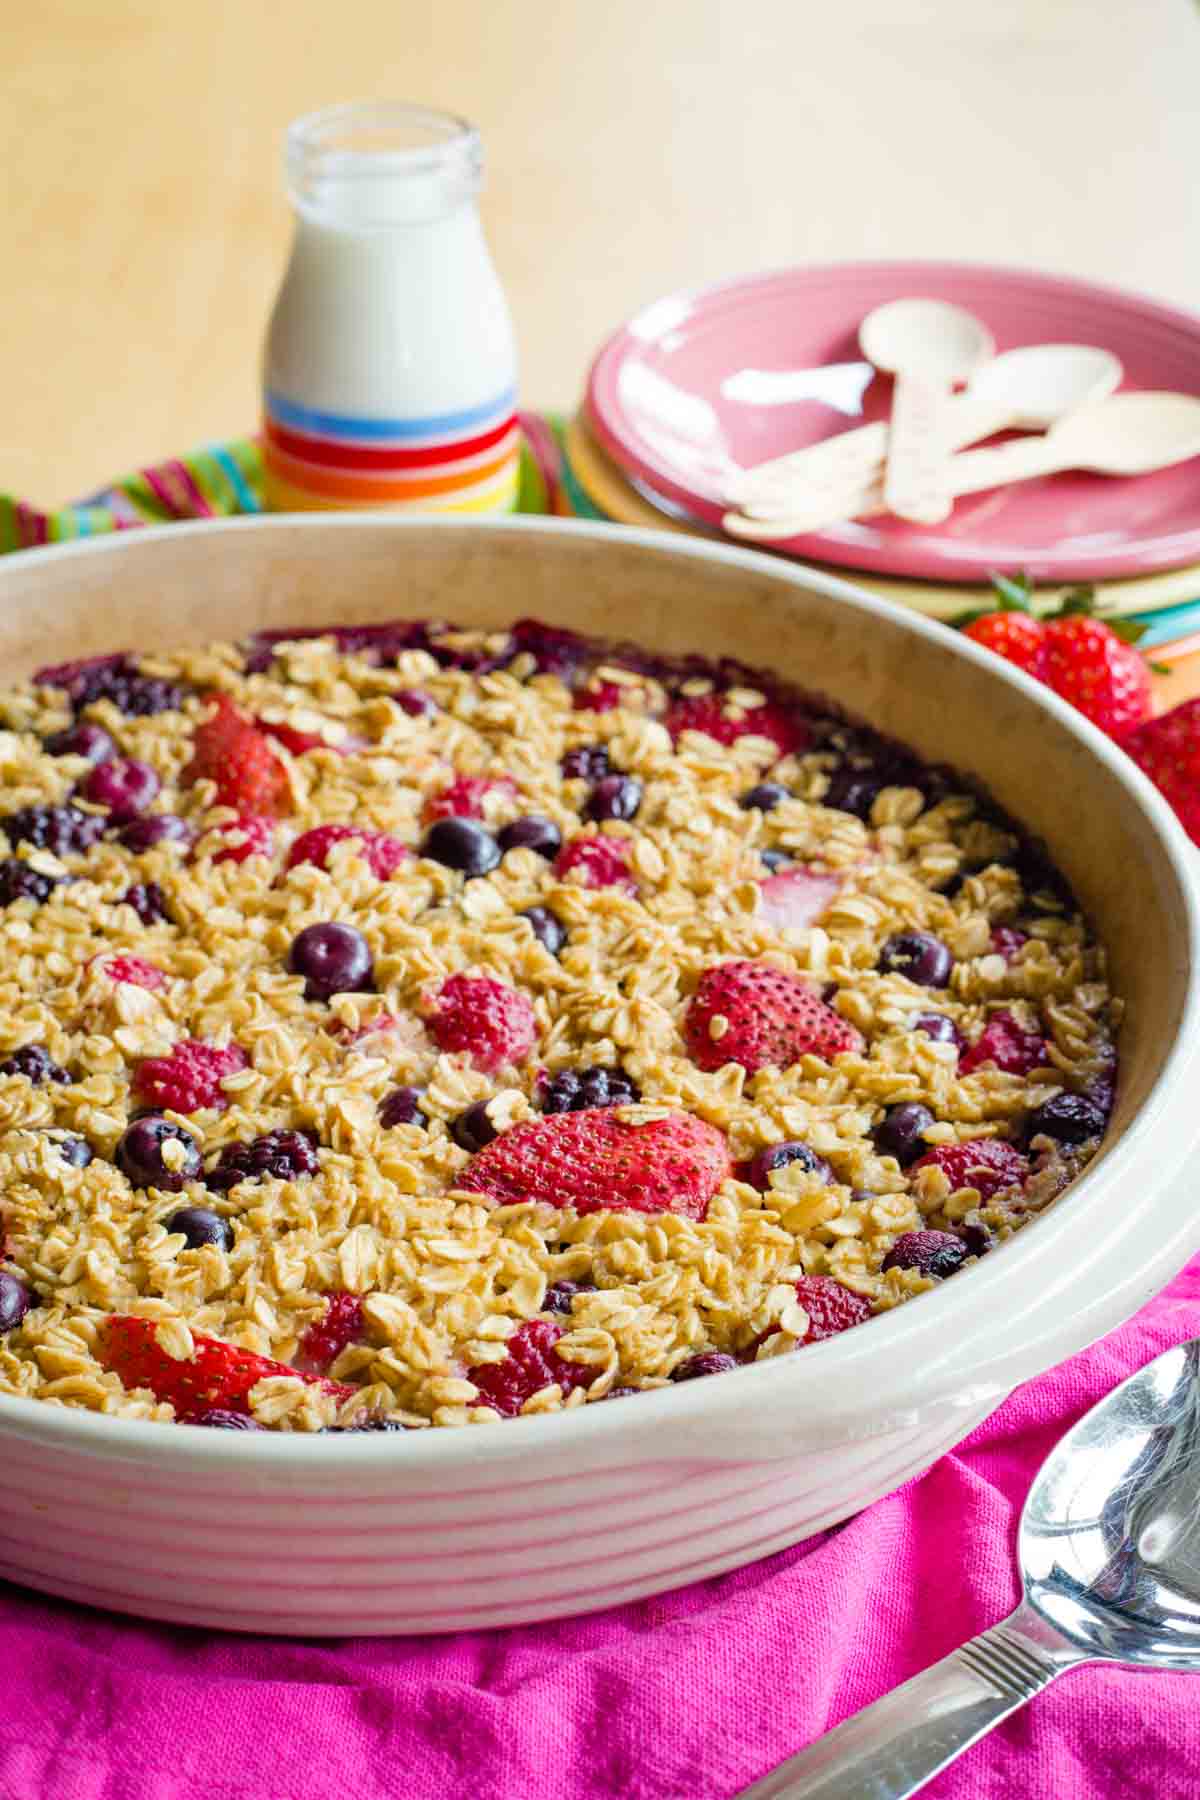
x: 607, y: 488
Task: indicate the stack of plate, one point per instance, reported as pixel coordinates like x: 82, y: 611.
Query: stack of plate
x: 701, y: 385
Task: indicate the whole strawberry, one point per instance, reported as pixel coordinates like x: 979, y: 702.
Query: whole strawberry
x: 760, y: 1016
x: 232, y: 752
x: 1098, y: 672
x: 595, y: 1161
x: 1168, y: 751
x: 1016, y: 636
x: 218, y: 1375
x: 484, y: 1019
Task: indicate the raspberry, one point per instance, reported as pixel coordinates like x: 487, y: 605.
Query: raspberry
x: 554, y: 650
x: 382, y: 854
x: 464, y: 797
x: 248, y: 835
x: 1006, y: 940
x: 830, y: 1307
x: 560, y: 1297
x: 134, y: 970
x: 217, y: 1378
x: 63, y: 830
x: 35, y: 1063
x: 189, y: 1077
x: 593, y: 1161
x: 530, y: 1366
x: 597, y: 862
x: 484, y: 1019
x: 148, y: 902
x: 717, y: 717
x: 301, y: 742
x: 1005, y: 1042
x: 277, y: 1156
x: 575, y: 1090
x: 988, y: 1165
x: 708, y: 1362
x: 21, y: 881
x: 340, y: 1324
x: 230, y: 751
x: 772, y: 1019
x: 599, y: 696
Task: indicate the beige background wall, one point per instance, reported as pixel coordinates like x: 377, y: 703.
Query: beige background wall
x: 634, y: 145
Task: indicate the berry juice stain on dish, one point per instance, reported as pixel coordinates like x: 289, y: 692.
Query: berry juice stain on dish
x: 609, y: 1049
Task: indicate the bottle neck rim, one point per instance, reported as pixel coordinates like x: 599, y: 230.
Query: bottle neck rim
x: 380, y: 165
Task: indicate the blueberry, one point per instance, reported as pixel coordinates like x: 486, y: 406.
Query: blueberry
x: 401, y: 1107
x: 62, y: 830
x: 776, y: 859
x: 139, y: 1154
x: 200, y: 1226
x: 919, y: 955
x: 279, y: 1155
x: 148, y: 902
x: 1068, y: 1119
x: 461, y: 844
x: 766, y: 796
x: 125, y: 787
x: 82, y: 739
x: 222, y: 1419
x: 370, y: 1423
x: 21, y: 881
x: 852, y: 791
x: 933, y: 1253
x: 977, y: 1238
x: 579, y: 1090
x: 559, y: 1297
x: 75, y: 1151
x: 472, y: 1129
x: 415, y: 702
x: 547, y: 928
x: 709, y: 1362
x: 938, y: 1027
x: 614, y: 797
x: 333, y: 959
x: 900, y: 1133
x: 155, y: 828
x: 534, y: 832
x: 589, y: 763
x: 35, y: 1063
x: 15, y: 1300
x: 778, y: 1156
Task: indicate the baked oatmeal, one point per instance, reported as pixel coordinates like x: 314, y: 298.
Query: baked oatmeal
x: 405, y: 1026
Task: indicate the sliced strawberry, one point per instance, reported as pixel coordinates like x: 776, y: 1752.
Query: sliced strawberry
x: 219, y: 1375
x: 232, y: 752
x: 248, y: 835
x: 771, y: 1019
x: 486, y: 1020
x: 795, y: 898
x: 594, y: 1161
x: 135, y: 971
x: 831, y: 1308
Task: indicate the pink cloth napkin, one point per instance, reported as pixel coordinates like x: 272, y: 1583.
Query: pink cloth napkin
x: 686, y: 1697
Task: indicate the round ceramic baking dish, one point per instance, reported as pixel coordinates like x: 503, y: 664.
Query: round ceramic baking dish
x: 541, y: 1517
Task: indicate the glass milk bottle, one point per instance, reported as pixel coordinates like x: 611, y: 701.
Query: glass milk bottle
x: 390, y: 371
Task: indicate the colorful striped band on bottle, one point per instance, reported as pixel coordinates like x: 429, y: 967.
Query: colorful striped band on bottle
x: 462, y: 462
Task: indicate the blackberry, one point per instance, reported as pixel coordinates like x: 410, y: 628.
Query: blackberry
x: 21, y: 881
x: 578, y: 1090
x: 35, y: 1063
x: 63, y: 830
x: 589, y: 763
x: 120, y: 680
x: 148, y: 902
x: 277, y: 1155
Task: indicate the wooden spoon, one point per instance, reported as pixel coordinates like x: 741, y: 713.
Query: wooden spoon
x: 1127, y: 434
x: 930, y: 347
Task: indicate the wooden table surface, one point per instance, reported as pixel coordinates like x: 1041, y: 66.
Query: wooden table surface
x: 634, y: 145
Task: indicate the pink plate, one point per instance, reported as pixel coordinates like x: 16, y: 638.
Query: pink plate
x: 700, y: 385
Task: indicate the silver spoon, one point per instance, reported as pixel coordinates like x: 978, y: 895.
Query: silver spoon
x: 1109, y: 1549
